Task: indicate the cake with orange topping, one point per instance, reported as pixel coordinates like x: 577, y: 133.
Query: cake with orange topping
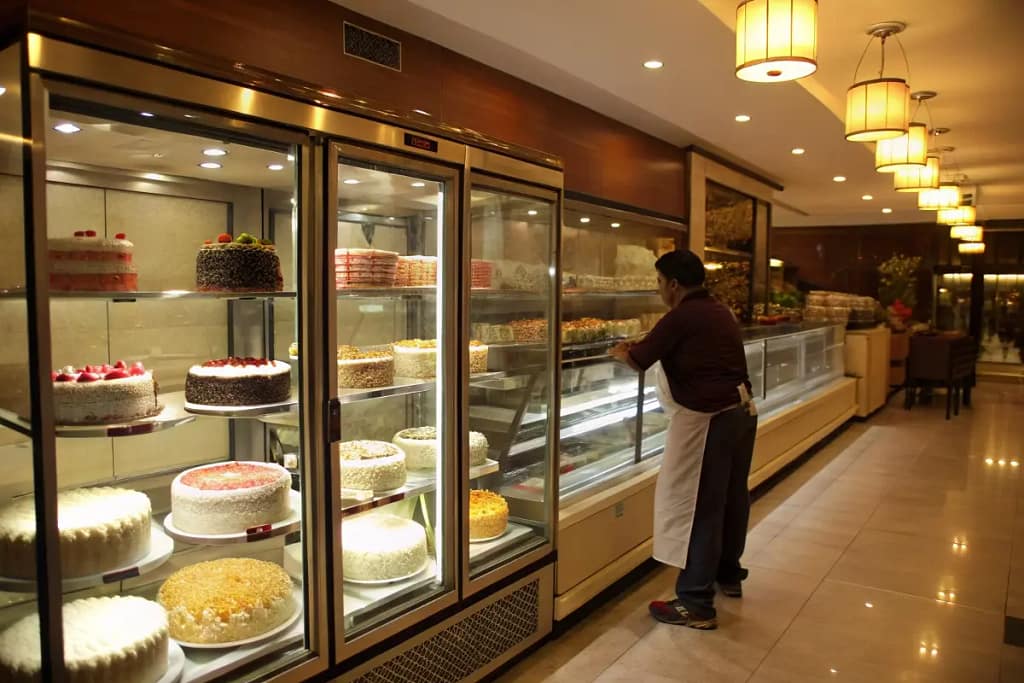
x: 226, y: 600
x: 230, y: 497
x: 488, y: 514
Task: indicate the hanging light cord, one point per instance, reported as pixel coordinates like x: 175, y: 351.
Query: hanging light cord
x: 881, y: 70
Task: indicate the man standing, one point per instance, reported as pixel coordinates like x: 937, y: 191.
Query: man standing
x: 701, y: 500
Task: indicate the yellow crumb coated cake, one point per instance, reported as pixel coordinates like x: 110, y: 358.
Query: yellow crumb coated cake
x: 488, y: 514
x: 226, y: 600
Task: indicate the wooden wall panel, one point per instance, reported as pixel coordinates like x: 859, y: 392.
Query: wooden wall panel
x: 302, y: 39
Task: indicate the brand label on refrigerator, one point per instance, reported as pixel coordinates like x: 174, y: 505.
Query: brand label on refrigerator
x: 420, y: 142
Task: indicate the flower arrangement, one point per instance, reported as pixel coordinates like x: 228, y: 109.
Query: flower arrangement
x: 898, y: 282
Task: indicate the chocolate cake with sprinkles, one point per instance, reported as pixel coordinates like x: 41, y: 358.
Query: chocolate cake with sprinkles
x: 238, y: 382
x: 242, y: 264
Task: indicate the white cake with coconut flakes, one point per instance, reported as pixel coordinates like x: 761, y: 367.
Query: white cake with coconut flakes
x: 371, y: 465
x: 379, y: 547
x: 230, y: 497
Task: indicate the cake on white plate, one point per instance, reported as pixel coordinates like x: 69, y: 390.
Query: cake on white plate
x: 371, y: 465
x: 230, y: 497
x: 379, y: 547
x: 103, y: 394
x: 238, y: 382
x: 118, y: 638
x: 226, y: 600
x: 100, y: 529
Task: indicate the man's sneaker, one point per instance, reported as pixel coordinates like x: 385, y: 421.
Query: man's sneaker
x: 731, y: 590
x: 671, y: 612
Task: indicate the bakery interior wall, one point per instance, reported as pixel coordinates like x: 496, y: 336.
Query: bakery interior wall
x: 302, y: 39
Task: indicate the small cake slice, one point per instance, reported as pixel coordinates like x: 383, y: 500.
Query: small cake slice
x: 488, y: 514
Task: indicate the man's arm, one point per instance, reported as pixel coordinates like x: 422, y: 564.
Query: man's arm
x: 655, y: 346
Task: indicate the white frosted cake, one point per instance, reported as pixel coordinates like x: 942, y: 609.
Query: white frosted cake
x: 371, y: 465
x: 478, y: 448
x: 226, y: 600
x: 420, y: 447
x: 120, y: 638
x: 87, y: 262
x: 416, y: 358
x: 103, y: 394
x: 382, y: 547
x: 100, y: 529
x: 230, y: 497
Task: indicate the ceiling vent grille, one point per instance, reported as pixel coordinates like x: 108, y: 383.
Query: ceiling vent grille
x: 372, y: 47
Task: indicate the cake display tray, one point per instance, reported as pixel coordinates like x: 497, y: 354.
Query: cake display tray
x: 175, y: 663
x: 490, y: 538
x: 287, y: 525
x: 385, y: 582
x: 242, y: 411
x: 161, y: 547
x: 480, y: 551
x: 172, y: 414
x: 277, y: 630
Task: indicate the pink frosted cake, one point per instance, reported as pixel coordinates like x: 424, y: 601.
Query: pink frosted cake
x: 230, y: 497
x: 364, y: 268
x: 103, y: 394
x: 88, y: 263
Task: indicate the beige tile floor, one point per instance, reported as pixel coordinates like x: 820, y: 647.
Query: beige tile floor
x: 893, y: 554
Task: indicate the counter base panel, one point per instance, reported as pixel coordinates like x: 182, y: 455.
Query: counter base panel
x: 582, y: 593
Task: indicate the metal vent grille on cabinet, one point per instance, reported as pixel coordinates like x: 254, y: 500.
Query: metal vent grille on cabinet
x: 466, y: 646
x: 372, y: 47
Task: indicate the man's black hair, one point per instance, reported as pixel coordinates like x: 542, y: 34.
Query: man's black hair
x: 683, y: 266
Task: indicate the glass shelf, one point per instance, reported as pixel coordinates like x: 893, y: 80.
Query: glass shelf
x: 417, y: 483
x: 386, y: 292
x: 166, y: 294
x: 406, y: 387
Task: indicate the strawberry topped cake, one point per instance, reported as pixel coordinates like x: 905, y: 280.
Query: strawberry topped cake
x: 103, y: 394
x: 238, y: 382
x: 86, y: 262
x: 230, y: 497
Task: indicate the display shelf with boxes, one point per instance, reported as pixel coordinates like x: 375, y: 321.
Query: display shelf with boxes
x: 729, y: 248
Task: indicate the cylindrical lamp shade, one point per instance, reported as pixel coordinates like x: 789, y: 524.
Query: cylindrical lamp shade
x: 877, y: 110
x: 961, y: 215
x: 909, y: 150
x: 776, y: 40
x: 967, y: 233
x: 971, y: 247
x: 945, y: 197
x: 917, y: 178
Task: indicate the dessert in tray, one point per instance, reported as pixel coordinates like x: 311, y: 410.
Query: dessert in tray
x: 100, y: 529
x: 530, y: 330
x: 584, y: 331
x: 481, y: 274
x: 230, y: 497
x: 364, y: 268
x: 118, y: 638
x: 416, y: 271
x: 381, y: 547
x: 103, y: 394
x: 226, y: 600
x: 420, y: 446
x: 238, y: 382
x: 371, y: 465
x: 89, y: 263
x: 242, y: 264
x: 492, y: 333
x: 365, y: 369
x: 488, y: 514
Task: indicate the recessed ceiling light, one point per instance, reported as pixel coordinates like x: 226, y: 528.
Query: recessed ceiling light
x: 839, y: 179
x: 391, y: 218
x: 66, y: 128
x: 191, y: 116
x: 419, y: 183
x: 214, y: 152
x: 797, y: 151
x: 653, y: 64
x: 351, y: 181
x: 616, y: 225
x: 2, y: 90
x: 210, y: 164
x: 275, y: 167
x: 531, y: 212
x: 742, y: 118
x: 428, y: 218
x: 584, y: 220
x: 291, y: 157
x: 147, y: 114
x: 153, y: 176
x: 420, y: 111
x: 887, y: 210
x: 158, y: 155
x: 867, y: 197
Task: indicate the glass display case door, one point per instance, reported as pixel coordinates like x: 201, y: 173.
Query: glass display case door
x: 392, y: 252
x: 509, y: 273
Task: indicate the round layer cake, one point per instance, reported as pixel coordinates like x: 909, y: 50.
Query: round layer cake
x: 382, y: 547
x: 421, y: 446
x: 488, y: 514
x: 244, y: 264
x: 100, y: 529
x: 119, y: 638
x: 359, y: 369
x: 89, y: 263
x: 226, y: 600
x: 238, y: 382
x: 230, y: 497
x: 478, y: 448
x: 416, y: 358
x: 103, y: 394
x: 371, y: 465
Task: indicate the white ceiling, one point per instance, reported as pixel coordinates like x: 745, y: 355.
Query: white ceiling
x: 591, y: 51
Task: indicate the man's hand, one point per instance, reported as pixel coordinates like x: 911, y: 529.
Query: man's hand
x: 620, y: 352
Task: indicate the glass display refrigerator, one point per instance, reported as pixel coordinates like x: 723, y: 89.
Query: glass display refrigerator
x: 729, y: 248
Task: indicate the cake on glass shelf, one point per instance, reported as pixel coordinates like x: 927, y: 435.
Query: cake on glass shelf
x: 242, y: 264
x: 416, y: 271
x: 86, y: 262
x: 119, y: 638
x: 478, y: 448
x: 530, y: 330
x: 230, y: 497
x: 477, y: 357
x: 488, y: 514
x: 364, y: 268
x: 226, y: 600
x: 371, y: 465
x: 100, y: 529
x: 379, y: 547
x: 238, y: 382
x: 365, y: 369
x: 416, y: 358
x: 492, y: 333
x: 103, y: 394
x: 583, y: 331
x: 420, y: 446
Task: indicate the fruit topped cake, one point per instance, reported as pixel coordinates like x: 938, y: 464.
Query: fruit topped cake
x: 230, y: 497
x: 89, y: 263
x: 103, y: 394
x: 238, y: 382
x: 242, y: 264
x: 488, y: 514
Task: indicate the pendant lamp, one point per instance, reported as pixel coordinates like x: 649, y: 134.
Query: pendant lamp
x: 971, y: 247
x: 961, y: 215
x: 909, y: 150
x: 879, y: 108
x: 945, y: 197
x: 917, y: 178
x: 776, y: 40
x: 967, y: 233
